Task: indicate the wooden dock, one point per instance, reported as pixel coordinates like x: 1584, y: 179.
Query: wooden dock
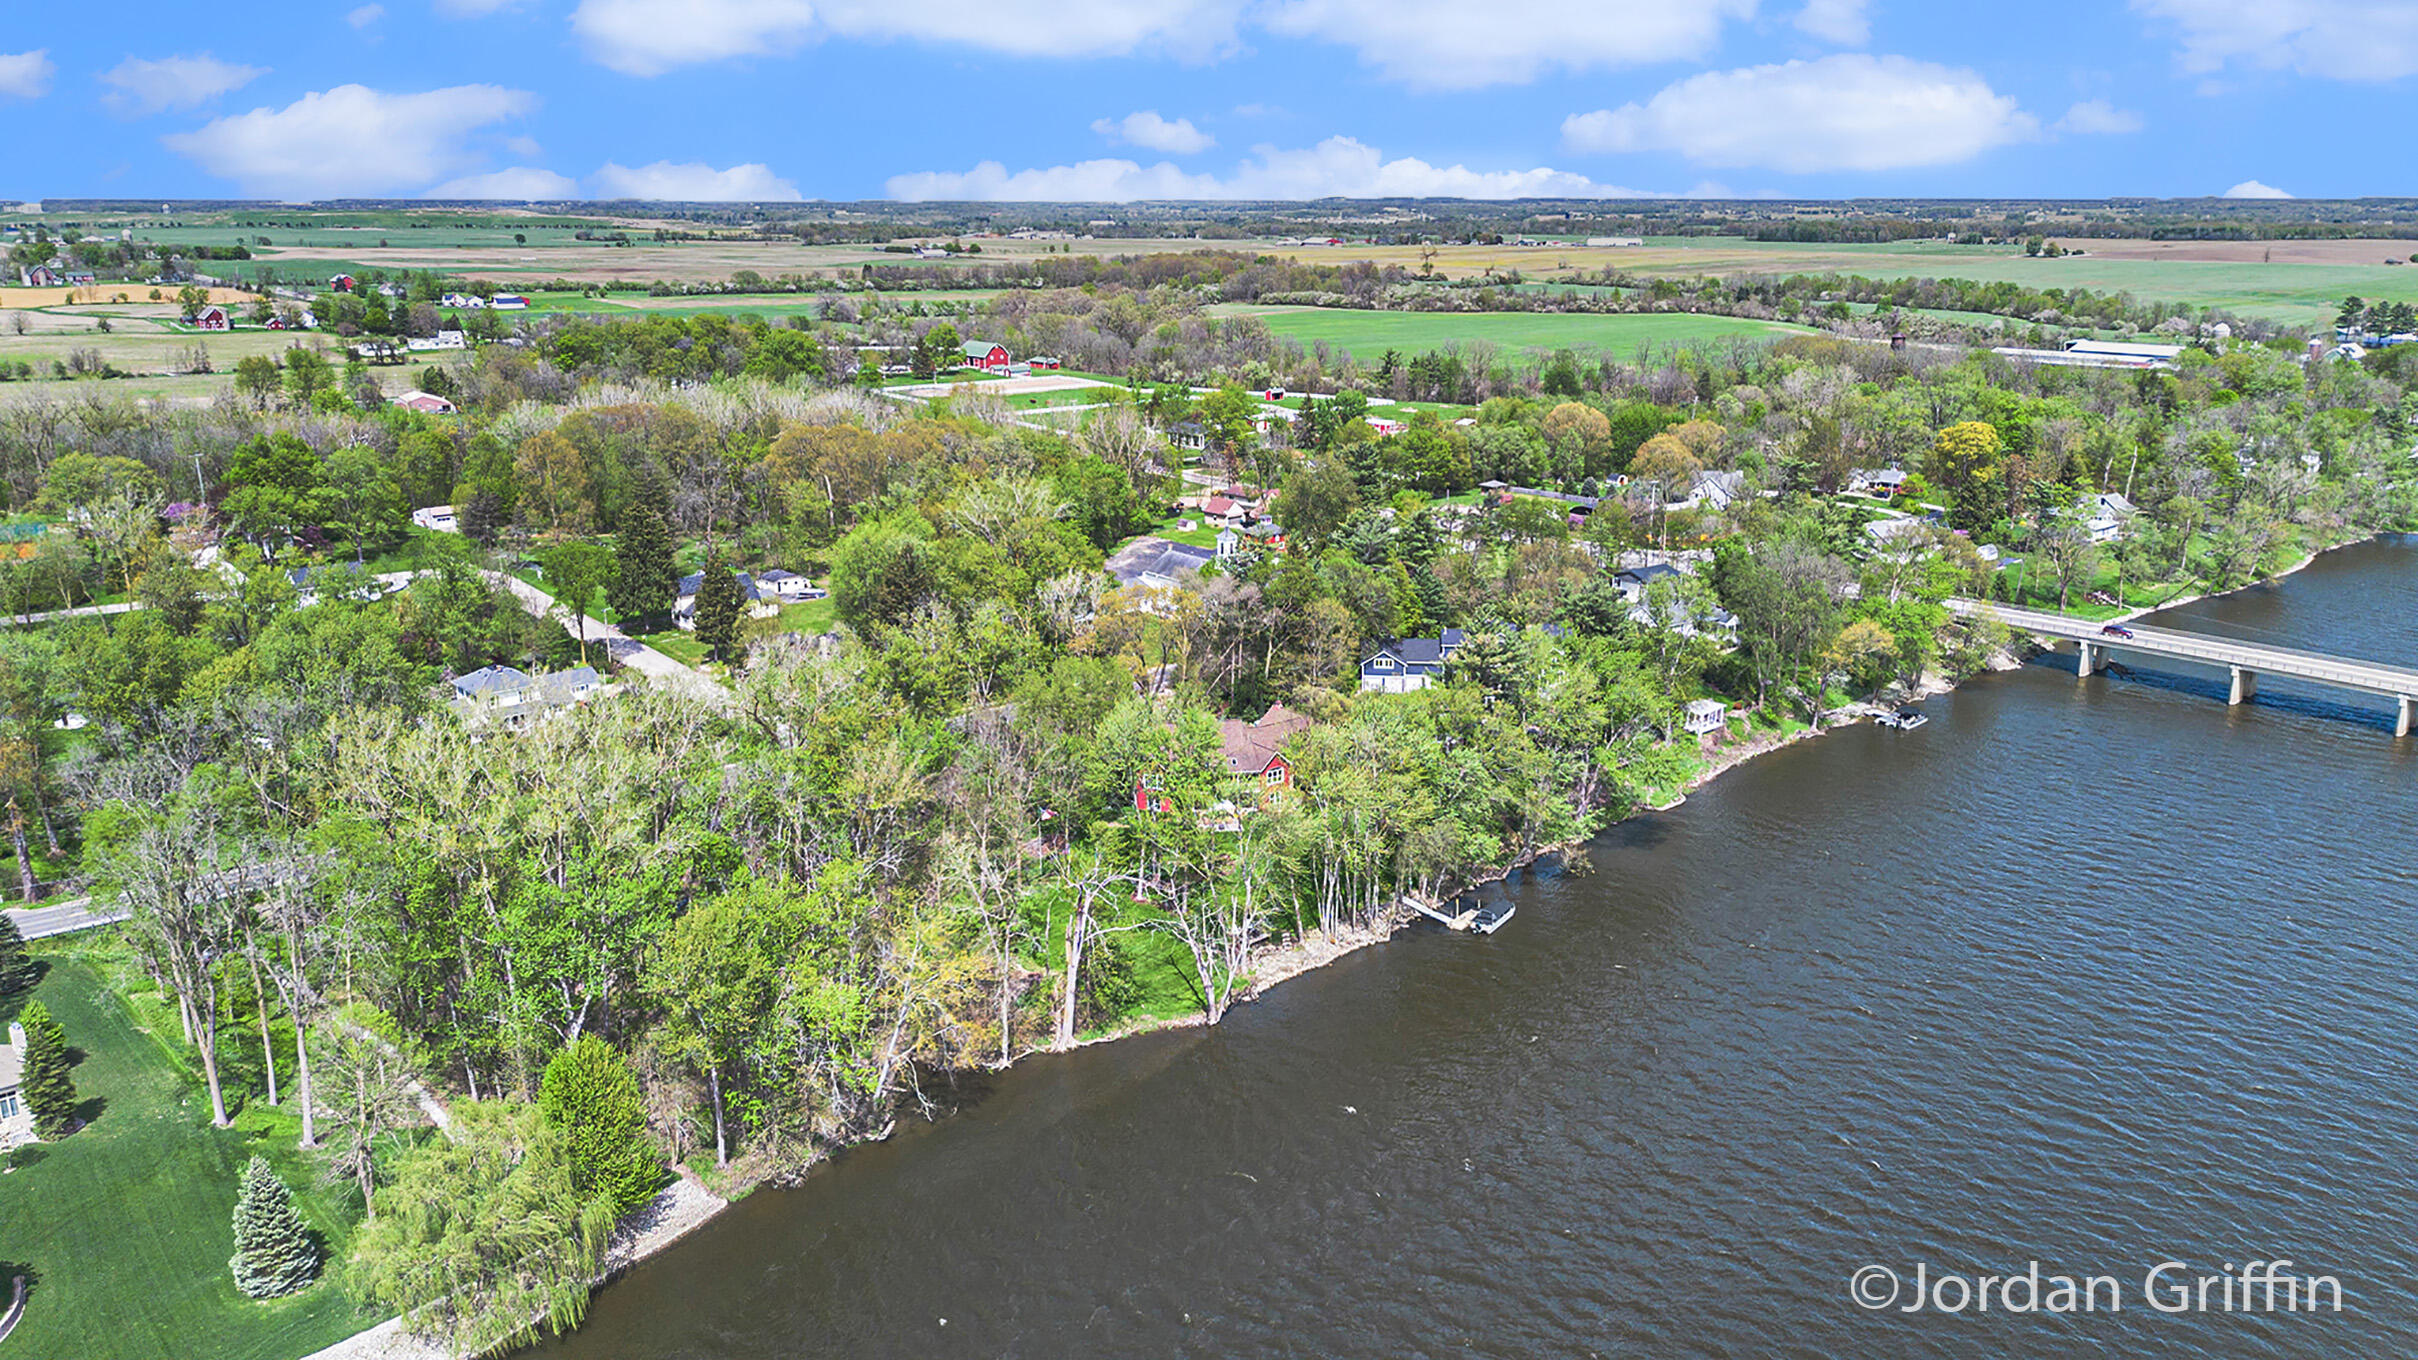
x: 1484, y: 918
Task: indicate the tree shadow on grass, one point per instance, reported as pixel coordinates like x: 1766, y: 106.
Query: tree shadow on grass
x: 90, y: 1109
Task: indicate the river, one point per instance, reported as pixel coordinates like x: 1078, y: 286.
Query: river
x: 2100, y: 974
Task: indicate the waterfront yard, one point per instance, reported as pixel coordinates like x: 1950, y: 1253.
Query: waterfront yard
x: 123, y: 1227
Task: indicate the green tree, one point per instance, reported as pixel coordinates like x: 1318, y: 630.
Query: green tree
x: 17, y: 968
x: 258, y: 377
x: 1968, y: 461
x: 307, y: 374
x: 576, y: 573
x: 274, y: 1254
x: 279, y: 490
x: 715, y: 972
x: 362, y: 499
x: 1316, y: 500
x: 718, y: 608
x: 1226, y: 415
x: 589, y: 1094
x: 645, y: 579
x: 485, y: 1241
x: 50, y: 1091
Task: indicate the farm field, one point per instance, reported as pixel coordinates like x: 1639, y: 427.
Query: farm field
x: 1367, y: 334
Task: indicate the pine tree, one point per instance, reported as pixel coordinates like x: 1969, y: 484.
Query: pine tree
x: 274, y: 1255
x: 49, y: 1091
x: 645, y: 579
x: 718, y: 606
x: 17, y: 971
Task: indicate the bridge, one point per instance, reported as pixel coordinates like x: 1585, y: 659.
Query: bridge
x: 2246, y: 660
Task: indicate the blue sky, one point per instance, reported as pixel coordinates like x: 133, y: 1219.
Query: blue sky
x: 1124, y: 99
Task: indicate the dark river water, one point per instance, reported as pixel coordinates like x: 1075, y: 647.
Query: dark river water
x: 2099, y: 974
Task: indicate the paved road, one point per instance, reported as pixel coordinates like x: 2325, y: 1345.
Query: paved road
x: 61, y: 918
x: 625, y: 649
x: 82, y: 611
x: 2347, y: 672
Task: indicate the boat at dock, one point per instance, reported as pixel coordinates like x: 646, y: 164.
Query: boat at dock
x: 1904, y: 719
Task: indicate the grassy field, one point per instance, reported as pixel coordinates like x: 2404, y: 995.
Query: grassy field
x: 1367, y: 334
x: 125, y: 1224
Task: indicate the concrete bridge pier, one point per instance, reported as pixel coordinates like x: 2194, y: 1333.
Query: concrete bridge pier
x: 2245, y: 685
x: 2408, y: 717
x: 2093, y: 657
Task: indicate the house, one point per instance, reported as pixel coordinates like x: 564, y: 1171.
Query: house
x: 1407, y: 664
x: 426, y: 403
x: 441, y: 340
x: 512, y: 696
x: 1706, y: 715
x: 213, y: 318
x: 1884, y: 532
x: 471, y: 301
x: 16, y: 1119
x: 509, y: 302
x: 437, y: 518
x: 2104, y: 514
x: 1712, y: 490
x: 984, y: 355
x: 1888, y: 481
x: 755, y: 603
x: 1188, y: 434
x: 1151, y: 561
x: 1254, y: 749
x: 1386, y: 428
x: 1042, y: 361
x: 787, y: 586
x: 1227, y: 542
x: 1632, y: 582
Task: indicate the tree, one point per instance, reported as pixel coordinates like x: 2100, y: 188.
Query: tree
x: 258, y: 377
x: 486, y: 1242
x: 50, y: 1092
x: 362, y: 499
x: 554, y: 488
x: 1968, y: 460
x: 589, y: 1095
x: 190, y: 300
x: 274, y: 1254
x: 307, y: 374
x: 279, y: 489
x: 645, y: 580
x: 718, y: 608
x: 1316, y: 501
x: 715, y: 971
x: 17, y: 968
x: 576, y: 573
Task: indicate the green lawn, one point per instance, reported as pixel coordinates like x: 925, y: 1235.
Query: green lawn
x: 812, y: 616
x: 1198, y: 538
x: 125, y: 1224
x: 1369, y: 334
x: 678, y: 644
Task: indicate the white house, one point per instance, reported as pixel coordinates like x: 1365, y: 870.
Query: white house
x: 1706, y: 715
x: 16, y: 1121
x: 787, y: 586
x: 437, y: 519
x: 1228, y: 541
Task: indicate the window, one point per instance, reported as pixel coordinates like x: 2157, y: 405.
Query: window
x: 1383, y: 663
x: 8, y: 1104
x: 1276, y: 774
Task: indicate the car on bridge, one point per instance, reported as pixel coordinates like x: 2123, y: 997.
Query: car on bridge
x: 2116, y: 630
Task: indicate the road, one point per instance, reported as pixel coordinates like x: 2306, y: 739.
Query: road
x: 82, y: 611
x: 61, y: 918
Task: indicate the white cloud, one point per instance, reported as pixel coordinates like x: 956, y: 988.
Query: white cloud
x: 693, y: 183
x: 365, y: 16
x: 26, y: 75
x: 2341, y: 39
x: 1453, y: 44
x: 1846, y: 112
x: 351, y: 140
x: 147, y: 87
x: 2251, y: 188
x: 519, y: 182
x: 650, y: 37
x: 1148, y: 130
x: 1840, y: 21
x: 1339, y: 167
x: 2097, y: 117
x: 523, y: 147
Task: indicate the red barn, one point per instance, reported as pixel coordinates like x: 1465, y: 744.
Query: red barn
x: 212, y: 319
x: 986, y: 356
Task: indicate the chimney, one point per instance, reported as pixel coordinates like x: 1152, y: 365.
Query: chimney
x: 16, y: 1037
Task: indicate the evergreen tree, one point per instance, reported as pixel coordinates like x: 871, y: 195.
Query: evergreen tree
x: 589, y: 1094
x: 718, y: 606
x: 274, y: 1255
x: 645, y: 579
x: 17, y: 971
x: 49, y: 1091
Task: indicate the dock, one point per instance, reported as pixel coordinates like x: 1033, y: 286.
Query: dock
x: 1483, y: 919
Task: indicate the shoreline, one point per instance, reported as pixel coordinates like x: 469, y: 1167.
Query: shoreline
x: 686, y: 1205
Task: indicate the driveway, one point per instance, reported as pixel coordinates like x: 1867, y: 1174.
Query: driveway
x: 61, y: 918
x: 626, y: 650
